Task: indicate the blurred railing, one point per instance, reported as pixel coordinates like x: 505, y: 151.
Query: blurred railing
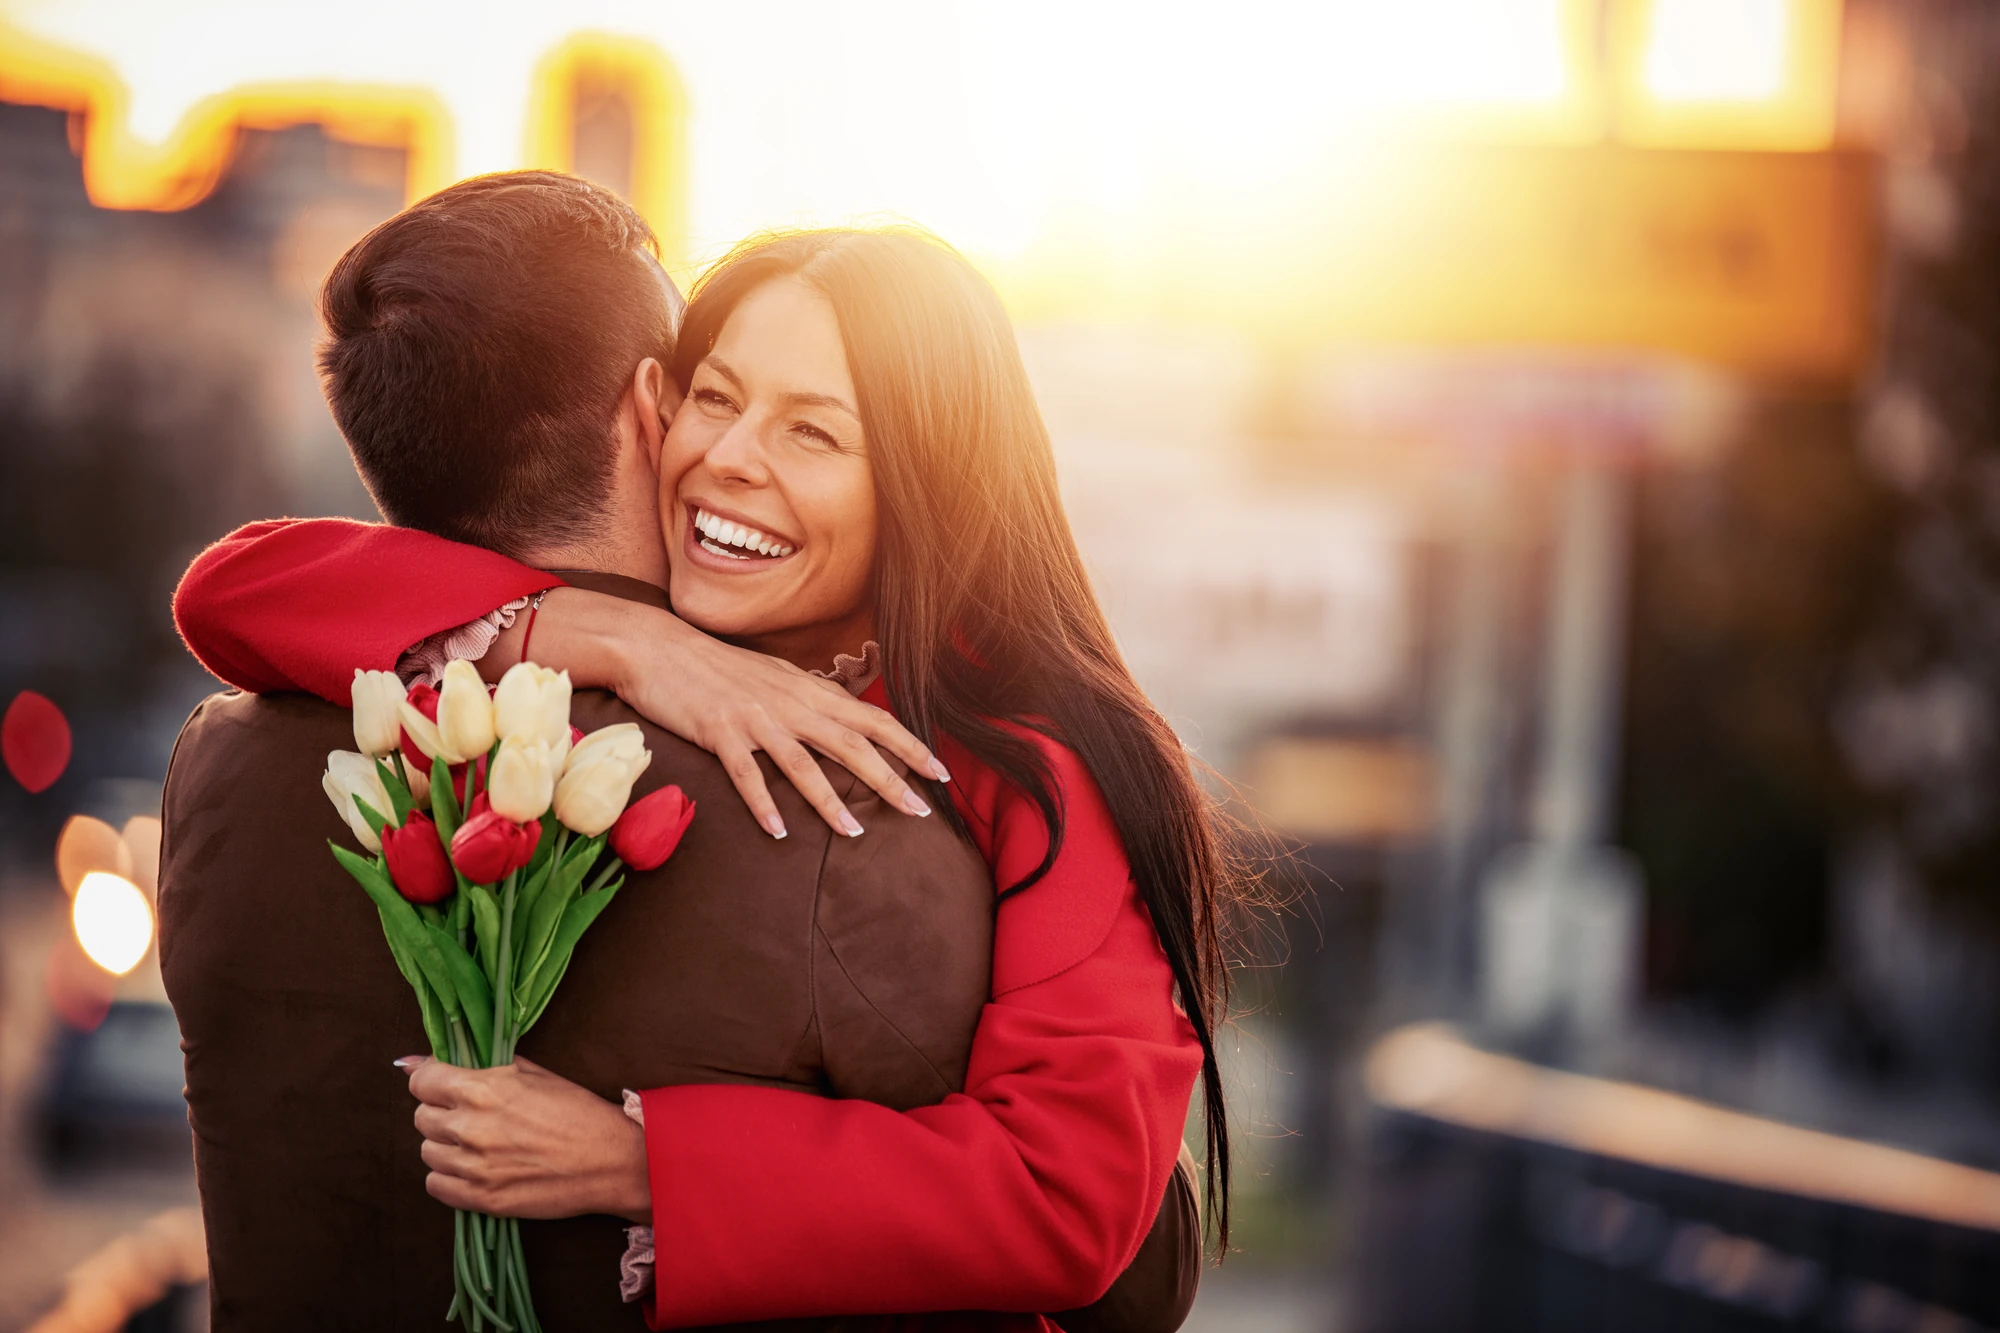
x: 1500, y: 1196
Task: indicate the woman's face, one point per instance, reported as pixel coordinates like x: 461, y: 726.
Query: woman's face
x: 766, y: 495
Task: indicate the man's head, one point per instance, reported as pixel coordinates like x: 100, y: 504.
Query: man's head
x: 492, y: 354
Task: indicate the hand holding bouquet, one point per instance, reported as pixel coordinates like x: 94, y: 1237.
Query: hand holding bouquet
x: 487, y: 818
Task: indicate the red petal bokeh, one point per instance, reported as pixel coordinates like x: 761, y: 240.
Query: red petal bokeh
x: 34, y: 739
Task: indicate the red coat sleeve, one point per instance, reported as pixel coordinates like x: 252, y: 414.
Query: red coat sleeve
x: 1030, y: 1191
x: 298, y: 604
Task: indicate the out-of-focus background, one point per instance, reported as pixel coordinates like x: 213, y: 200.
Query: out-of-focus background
x: 1545, y: 452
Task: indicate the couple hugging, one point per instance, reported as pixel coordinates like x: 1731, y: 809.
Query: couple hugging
x: 904, y: 1041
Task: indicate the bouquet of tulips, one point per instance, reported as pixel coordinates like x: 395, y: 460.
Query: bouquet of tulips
x: 485, y: 818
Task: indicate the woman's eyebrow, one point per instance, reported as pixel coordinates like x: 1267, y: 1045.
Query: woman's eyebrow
x: 819, y: 400
x: 721, y: 367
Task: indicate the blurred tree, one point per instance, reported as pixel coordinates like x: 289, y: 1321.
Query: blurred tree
x: 1917, y: 720
x: 1753, y: 576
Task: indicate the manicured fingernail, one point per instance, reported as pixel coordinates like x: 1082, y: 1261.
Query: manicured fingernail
x: 915, y: 804
x: 850, y: 825
x: 939, y: 772
x: 774, y: 826
x: 409, y: 1061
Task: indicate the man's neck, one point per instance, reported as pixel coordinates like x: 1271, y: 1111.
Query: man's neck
x: 648, y: 566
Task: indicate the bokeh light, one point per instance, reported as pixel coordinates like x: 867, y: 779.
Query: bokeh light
x: 1717, y: 50
x: 87, y: 844
x: 113, y: 921
x: 35, y: 740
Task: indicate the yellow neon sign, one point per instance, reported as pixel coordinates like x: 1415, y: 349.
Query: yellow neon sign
x: 123, y: 171
x: 120, y: 170
x: 634, y: 71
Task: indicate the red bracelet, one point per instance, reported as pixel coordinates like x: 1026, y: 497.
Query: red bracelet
x: 534, y: 609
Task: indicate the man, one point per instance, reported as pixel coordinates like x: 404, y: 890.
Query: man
x: 493, y: 358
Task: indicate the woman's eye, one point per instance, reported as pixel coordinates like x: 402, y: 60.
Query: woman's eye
x: 709, y: 398
x: 816, y: 435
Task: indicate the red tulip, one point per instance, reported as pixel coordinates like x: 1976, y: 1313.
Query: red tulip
x: 424, y: 698
x: 489, y: 846
x: 417, y: 861
x: 649, y: 830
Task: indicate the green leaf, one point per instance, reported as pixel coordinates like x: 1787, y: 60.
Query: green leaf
x: 403, y: 926
x: 436, y: 1026
x: 486, y: 927
x: 399, y: 795
x: 531, y: 1010
x: 404, y: 932
x: 525, y: 898
x: 404, y: 963
x: 376, y: 822
x: 445, y: 812
x: 444, y: 802
x: 475, y: 992
x: 427, y: 1003
x: 373, y: 876
x: 576, y: 919
x: 550, y: 904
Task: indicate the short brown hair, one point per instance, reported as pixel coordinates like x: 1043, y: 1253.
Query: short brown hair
x: 476, y: 346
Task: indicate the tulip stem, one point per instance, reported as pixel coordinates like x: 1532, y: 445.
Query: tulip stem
x: 611, y: 867
x: 517, y: 1273
x: 503, y: 1046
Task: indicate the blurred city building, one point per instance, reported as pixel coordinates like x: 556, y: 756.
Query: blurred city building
x: 1539, y: 454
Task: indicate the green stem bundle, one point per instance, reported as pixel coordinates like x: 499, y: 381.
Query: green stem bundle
x: 484, y: 968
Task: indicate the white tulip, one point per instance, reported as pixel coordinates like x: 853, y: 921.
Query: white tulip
x: 420, y: 783
x: 423, y: 731
x: 349, y: 775
x: 465, y: 713
x: 522, y: 779
x: 378, y: 727
x: 532, y: 702
x: 620, y: 738
x: 597, y: 780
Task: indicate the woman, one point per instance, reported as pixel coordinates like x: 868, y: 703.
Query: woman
x: 859, y: 461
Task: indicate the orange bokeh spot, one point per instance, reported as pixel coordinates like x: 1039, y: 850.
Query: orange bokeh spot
x: 35, y: 741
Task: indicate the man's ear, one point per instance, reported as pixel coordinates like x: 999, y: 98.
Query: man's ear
x: 655, y: 399
x: 670, y: 398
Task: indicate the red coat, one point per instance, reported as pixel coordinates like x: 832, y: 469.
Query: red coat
x: 1031, y: 1190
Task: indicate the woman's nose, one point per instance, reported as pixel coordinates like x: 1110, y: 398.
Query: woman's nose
x: 738, y: 456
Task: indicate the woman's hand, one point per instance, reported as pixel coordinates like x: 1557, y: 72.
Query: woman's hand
x: 518, y: 1141
x: 733, y: 702
x: 730, y: 701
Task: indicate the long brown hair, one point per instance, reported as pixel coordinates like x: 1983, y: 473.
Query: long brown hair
x: 983, y: 608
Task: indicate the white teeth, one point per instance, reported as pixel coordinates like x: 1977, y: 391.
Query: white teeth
x: 722, y: 534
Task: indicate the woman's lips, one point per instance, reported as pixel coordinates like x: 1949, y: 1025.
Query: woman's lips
x: 729, y: 543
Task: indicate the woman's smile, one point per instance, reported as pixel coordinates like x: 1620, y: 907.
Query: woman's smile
x: 732, y: 543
